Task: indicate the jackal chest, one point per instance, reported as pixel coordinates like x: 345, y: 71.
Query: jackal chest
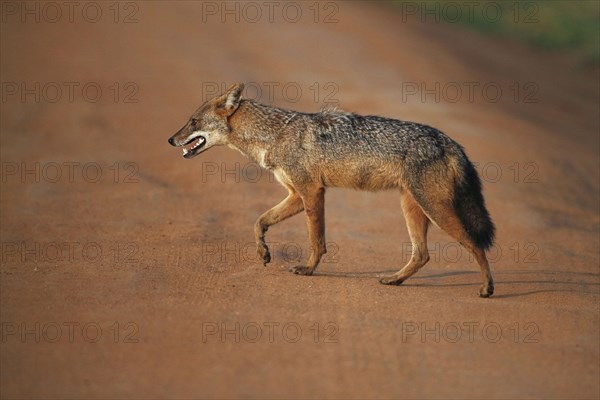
x: 263, y: 160
x: 258, y: 155
x: 282, y: 177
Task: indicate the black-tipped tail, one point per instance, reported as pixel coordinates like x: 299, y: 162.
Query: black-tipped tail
x: 470, y: 207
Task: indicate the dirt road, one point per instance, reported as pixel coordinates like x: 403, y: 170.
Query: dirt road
x: 128, y: 271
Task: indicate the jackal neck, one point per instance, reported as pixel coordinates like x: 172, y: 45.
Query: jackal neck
x: 255, y: 127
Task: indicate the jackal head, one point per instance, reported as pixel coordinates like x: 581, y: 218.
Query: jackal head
x: 209, y: 125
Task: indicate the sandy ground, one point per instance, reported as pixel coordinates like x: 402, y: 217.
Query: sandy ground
x: 128, y: 271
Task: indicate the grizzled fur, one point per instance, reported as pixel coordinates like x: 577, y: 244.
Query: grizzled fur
x: 308, y: 152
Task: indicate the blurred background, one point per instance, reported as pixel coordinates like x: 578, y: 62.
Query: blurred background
x: 128, y: 271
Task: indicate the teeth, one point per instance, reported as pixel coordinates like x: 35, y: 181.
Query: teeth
x: 197, y: 144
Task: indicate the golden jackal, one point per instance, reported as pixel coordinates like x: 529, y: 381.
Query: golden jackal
x: 309, y: 152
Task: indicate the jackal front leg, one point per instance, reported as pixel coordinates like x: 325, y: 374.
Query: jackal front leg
x: 289, y: 207
x: 314, y: 206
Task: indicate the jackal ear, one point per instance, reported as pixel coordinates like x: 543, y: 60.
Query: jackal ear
x: 230, y: 100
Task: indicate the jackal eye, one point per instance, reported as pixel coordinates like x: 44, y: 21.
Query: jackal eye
x: 194, y: 122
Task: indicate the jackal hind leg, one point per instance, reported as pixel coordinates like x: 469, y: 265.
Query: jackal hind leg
x: 487, y: 289
x: 444, y: 215
x: 314, y: 206
x: 417, y: 223
x: 289, y: 207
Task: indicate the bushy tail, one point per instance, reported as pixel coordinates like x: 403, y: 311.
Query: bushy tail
x: 470, y: 207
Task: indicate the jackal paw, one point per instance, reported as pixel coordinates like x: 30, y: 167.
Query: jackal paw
x: 263, y: 252
x: 486, y: 291
x: 301, y: 270
x: 391, y: 280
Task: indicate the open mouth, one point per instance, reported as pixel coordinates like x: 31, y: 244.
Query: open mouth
x: 193, y: 147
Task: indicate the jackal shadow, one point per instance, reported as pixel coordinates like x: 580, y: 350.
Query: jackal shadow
x: 514, y: 283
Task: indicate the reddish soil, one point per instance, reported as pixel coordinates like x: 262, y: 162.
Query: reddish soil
x: 162, y: 246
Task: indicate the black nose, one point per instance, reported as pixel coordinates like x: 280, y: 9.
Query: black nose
x: 171, y: 142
